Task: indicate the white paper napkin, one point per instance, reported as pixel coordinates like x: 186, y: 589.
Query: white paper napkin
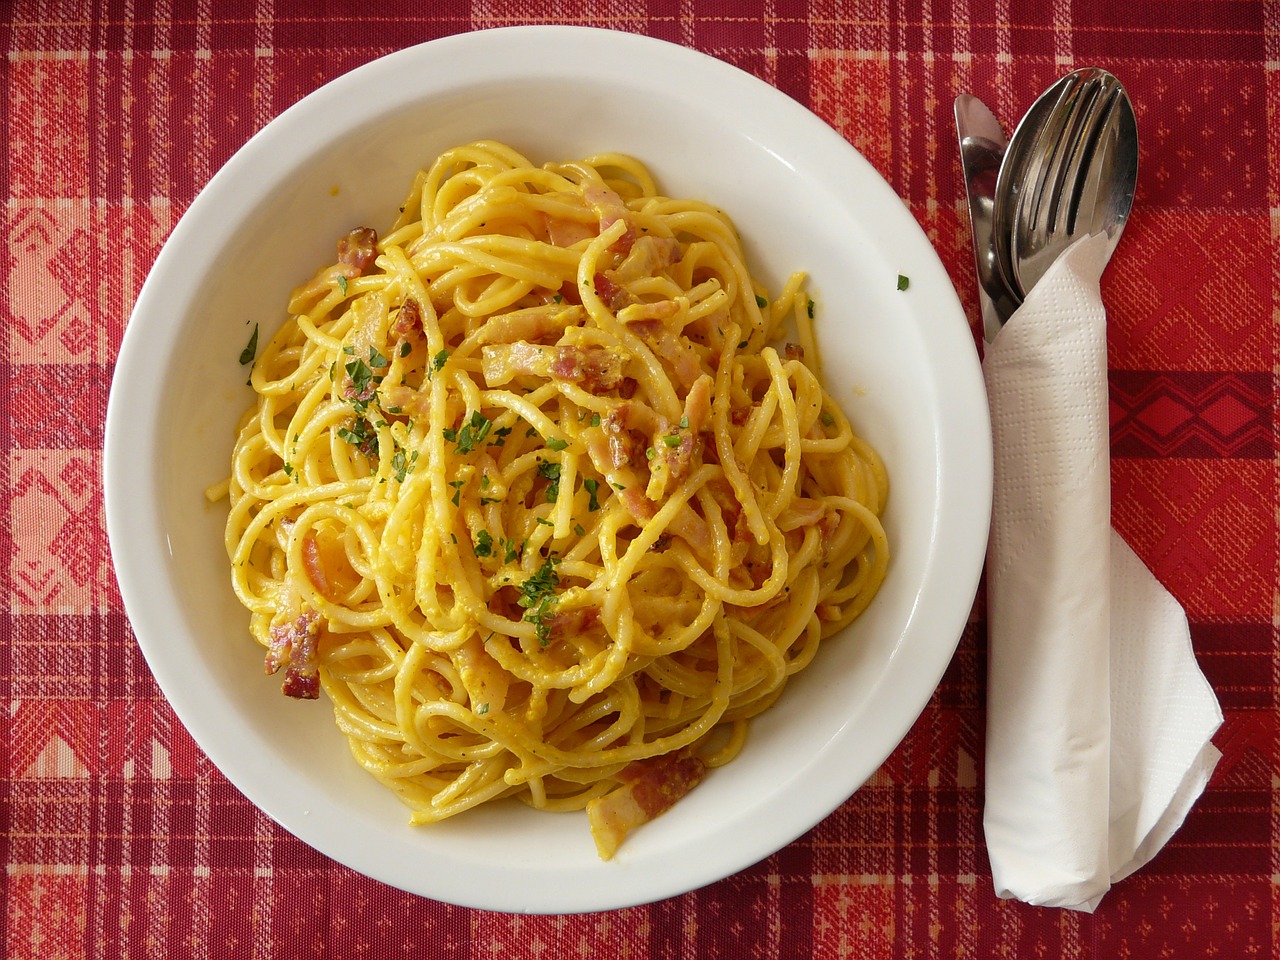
x: 1098, y: 717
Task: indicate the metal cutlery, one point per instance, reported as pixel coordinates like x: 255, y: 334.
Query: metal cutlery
x: 1076, y: 177
x: 982, y: 149
x: 1069, y: 170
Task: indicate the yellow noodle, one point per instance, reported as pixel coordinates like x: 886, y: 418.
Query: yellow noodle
x: 535, y: 542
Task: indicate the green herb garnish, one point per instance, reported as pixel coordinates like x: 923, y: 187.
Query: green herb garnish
x: 550, y: 471
x: 251, y: 348
x: 537, y: 595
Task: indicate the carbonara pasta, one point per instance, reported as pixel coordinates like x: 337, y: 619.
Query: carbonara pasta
x: 529, y: 491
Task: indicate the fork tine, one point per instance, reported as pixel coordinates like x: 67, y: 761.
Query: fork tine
x: 1038, y: 204
x: 1053, y: 136
x: 1074, y: 176
x: 1081, y: 138
x: 1066, y: 157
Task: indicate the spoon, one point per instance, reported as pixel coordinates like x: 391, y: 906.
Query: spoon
x: 1070, y: 171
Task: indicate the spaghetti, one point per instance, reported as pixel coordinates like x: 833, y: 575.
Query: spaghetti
x: 527, y: 491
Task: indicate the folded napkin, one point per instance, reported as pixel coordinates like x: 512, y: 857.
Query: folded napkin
x: 1098, y: 717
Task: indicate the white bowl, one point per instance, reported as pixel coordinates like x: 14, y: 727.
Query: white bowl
x: 901, y: 363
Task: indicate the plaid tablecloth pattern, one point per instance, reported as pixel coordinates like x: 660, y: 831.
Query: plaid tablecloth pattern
x: 120, y: 839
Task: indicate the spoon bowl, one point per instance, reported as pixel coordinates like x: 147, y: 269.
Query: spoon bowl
x: 1070, y: 171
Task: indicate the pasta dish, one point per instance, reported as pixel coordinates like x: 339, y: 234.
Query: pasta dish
x: 534, y: 488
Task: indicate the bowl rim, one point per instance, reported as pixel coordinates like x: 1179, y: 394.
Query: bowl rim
x: 506, y: 52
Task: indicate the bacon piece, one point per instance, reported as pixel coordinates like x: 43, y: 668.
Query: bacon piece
x: 565, y: 233
x: 678, y: 457
x: 351, y: 392
x: 324, y: 560
x: 631, y: 415
x: 686, y: 524
x: 609, y: 208
x: 548, y: 320
x: 793, y: 351
x: 648, y: 255
x: 314, y: 565
x: 801, y: 512
x: 673, y: 350
x: 358, y: 249
x: 408, y: 320
x: 628, y: 427
x: 607, y: 456
x: 572, y: 623
x: 615, y: 297
x: 401, y: 400
x: 649, y: 788
x: 356, y: 253
x: 484, y: 680
x: 293, y: 646
x: 594, y: 367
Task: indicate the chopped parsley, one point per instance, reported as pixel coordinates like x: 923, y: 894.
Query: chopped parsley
x: 402, y: 465
x: 457, y: 490
x: 361, y: 436
x: 591, y: 486
x: 827, y: 418
x: 342, y: 284
x: 251, y: 348
x: 550, y: 471
x: 472, y: 432
x: 595, y: 419
x: 362, y: 378
x: 903, y: 282
x: 511, y: 550
x: 809, y: 308
x: 555, y: 443
x: 484, y: 544
x: 501, y: 433
x: 672, y: 439
x: 437, y: 362
x: 406, y: 348
x: 537, y: 595
x: 761, y: 302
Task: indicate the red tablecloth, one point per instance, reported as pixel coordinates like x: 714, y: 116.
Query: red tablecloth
x: 120, y: 839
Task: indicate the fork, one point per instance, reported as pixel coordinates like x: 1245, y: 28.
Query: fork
x: 1079, y: 177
